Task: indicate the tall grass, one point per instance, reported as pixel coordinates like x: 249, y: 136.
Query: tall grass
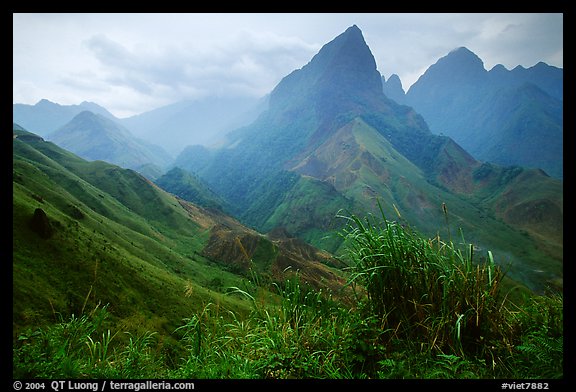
x: 76, y: 348
x: 426, y: 289
x: 57, y: 350
x: 299, y: 335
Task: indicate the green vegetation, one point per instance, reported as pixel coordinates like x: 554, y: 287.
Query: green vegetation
x: 115, y: 240
x: 114, y: 277
x: 423, y: 309
x: 189, y: 187
x: 308, y: 211
x: 427, y: 289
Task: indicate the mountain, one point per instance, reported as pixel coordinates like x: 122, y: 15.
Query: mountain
x: 95, y: 137
x: 518, y: 126
x: 45, y: 116
x: 254, y: 165
x: 89, y: 233
x: 201, y: 121
x: 332, y: 141
x: 393, y: 88
x: 498, y: 116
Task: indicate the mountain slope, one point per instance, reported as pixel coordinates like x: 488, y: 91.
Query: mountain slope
x: 525, y: 126
x: 95, y: 137
x: 332, y: 140
x: 115, y: 238
x: 363, y: 166
x: 498, y: 116
x: 189, y: 187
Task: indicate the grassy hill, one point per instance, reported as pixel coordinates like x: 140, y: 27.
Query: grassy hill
x: 514, y: 212
x: 189, y: 187
x: 118, y: 239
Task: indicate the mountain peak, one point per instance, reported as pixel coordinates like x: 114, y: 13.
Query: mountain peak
x: 463, y: 57
x: 344, y: 65
x: 393, y: 88
x: 45, y: 103
x: 459, y: 67
x: 347, y: 52
x: 462, y: 50
x: 86, y: 114
x: 499, y: 68
x: 354, y: 30
x: 93, y: 122
x: 90, y: 105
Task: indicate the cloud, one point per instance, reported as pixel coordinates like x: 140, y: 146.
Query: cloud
x: 526, y: 40
x: 109, y: 52
x: 130, y: 63
x: 248, y: 64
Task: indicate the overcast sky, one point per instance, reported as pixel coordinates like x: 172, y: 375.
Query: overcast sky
x: 132, y: 63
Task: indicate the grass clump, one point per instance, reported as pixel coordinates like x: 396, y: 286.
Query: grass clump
x: 426, y: 289
x: 81, y: 347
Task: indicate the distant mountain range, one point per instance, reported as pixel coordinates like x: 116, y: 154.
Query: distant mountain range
x: 45, y: 117
x: 203, y: 121
x: 508, y: 117
x: 172, y: 127
x: 331, y: 141
x: 143, y: 142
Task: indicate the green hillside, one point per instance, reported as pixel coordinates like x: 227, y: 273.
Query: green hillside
x: 189, y: 187
x: 362, y: 167
x: 118, y: 239
x: 101, y: 250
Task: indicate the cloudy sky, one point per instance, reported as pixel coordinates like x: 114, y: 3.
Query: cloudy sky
x: 132, y: 63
